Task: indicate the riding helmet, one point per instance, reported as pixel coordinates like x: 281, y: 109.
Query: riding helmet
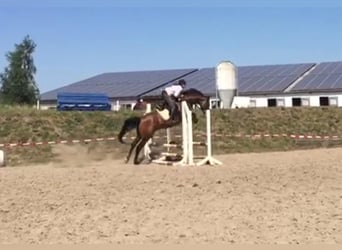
x: 182, y: 82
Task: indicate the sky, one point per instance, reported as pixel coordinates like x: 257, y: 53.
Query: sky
x: 78, y: 39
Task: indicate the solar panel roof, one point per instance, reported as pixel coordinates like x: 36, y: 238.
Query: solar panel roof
x: 269, y: 78
x: 121, y: 84
x: 203, y: 80
x: 324, y: 77
x: 251, y: 79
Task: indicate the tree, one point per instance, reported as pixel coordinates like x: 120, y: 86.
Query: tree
x: 18, y: 85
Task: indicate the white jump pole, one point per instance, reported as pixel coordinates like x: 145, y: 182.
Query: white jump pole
x: 2, y: 158
x: 185, y: 147
x: 190, y: 147
x: 187, y: 138
x: 185, y: 135
x: 147, y: 149
x: 187, y: 141
x: 168, y: 138
x: 209, y: 158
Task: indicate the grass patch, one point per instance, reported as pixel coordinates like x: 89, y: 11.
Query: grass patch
x: 22, y: 124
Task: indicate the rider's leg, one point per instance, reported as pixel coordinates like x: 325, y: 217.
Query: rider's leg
x: 162, y: 105
x: 170, y: 103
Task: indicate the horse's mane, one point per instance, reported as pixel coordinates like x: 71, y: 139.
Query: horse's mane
x: 192, y: 91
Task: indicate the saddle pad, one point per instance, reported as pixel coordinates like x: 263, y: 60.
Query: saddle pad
x: 165, y: 114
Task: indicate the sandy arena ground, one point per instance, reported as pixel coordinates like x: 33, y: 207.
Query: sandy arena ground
x: 283, y: 197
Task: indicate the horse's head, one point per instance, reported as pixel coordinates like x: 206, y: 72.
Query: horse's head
x: 195, y: 97
x: 204, y: 104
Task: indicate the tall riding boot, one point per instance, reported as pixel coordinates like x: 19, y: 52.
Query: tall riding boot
x: 171, y: 105
x: 173, y: 113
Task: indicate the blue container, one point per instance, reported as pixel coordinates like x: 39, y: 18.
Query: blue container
x: 83, y: 102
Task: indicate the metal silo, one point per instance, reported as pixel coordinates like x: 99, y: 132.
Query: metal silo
x: 226, y: 83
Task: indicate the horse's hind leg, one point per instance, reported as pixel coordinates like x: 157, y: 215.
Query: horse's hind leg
x: 133, y: 144
x: 140, y: 146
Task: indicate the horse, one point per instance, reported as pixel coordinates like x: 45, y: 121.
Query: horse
x: 149, y: 123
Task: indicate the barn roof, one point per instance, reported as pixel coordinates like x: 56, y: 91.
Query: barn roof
x: 270, y: 79
x: 323, y: 77
x: 121, y: 84
x: 252, y: 80
x: 203, y: 80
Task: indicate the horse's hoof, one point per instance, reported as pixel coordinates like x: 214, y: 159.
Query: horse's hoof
x: 138, y: 162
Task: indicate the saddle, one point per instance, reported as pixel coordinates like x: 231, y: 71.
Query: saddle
x: 163, y: 110
x: 164, y: 113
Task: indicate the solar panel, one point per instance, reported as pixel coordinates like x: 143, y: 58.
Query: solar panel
x: 252, y: 80
x: 328, y: 68
x: 324, y: 77
x: 204, y: 80
x: 269, y: 78
x: 121, y: 84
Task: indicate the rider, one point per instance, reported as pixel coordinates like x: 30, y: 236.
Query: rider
x: 171, y: 93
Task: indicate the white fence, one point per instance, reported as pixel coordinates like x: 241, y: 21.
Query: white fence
x: 188, y: 144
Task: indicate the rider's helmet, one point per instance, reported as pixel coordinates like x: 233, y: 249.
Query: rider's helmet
x: 181, y: 82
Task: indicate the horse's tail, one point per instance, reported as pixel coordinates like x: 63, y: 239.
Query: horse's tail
x: 129, y: 124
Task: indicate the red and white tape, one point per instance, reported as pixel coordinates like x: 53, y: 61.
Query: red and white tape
x: 23, y: 144
x: 255, y: 136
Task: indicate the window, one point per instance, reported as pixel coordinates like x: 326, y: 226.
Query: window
x: 333, y: 101
x: 127, y: 106
x: 272, y: 102
x: 328, y: 101
x: 324, y: 101
x: 300, y: 101
x: 215, y: 104
x: 280, y: 102
x: 305, y: 102
x: 296, y: 102
x: 252, y: 103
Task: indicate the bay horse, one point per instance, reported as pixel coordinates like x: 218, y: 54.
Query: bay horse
x: 149, y: 123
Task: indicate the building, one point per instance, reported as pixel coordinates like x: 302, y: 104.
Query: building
x: 288, y: 85
x: 123, y: 88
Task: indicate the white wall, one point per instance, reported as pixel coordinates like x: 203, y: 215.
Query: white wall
x: 241, y: 102
x: 261, y: 102
x: 312, y: 100
x: 288, y: 101
x: 339, y: 100
x: 334, y: 98
x: 118, y: 105
x: 46, y: 106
